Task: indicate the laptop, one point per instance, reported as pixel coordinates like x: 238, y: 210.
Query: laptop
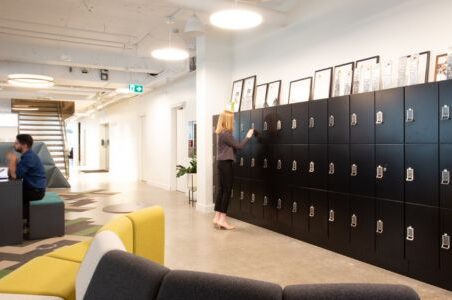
x: 3, y: 173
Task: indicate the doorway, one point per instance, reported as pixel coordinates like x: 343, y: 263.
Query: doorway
x: 181, y: 147
x: 104, y: 162
x: 142, y: 149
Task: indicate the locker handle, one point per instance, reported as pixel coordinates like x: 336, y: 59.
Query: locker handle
x: 331, y: 216
x: 445, y: 177
x: 241, y: 161
x: 311, y: 167
x: 331, y: 169
x: 278, y: 125
x: 445, y: 241
x: 265, y: 201
x: 380, y: 226
x: 311, y: 122
x: 294, y: 123
x: 232, y: 193
x: 410, y: 174
x: 354, y: 119
x: 252, y: 125
x: 354, y: 221
x: 331, y: 121
x: 279, y: 205
x: 379, y: 118
x: 410, y: 233
x: 294, y: 207
x: 279, y: 165
x: 445, y: 113
x: 311, y: 211
x: 242, y: 129
x: 354, y: 170
x: 294, y: 165
x: 265, y: 163
x: 253, y: 198
x: 242, y: 195
x: 253, y: 162
x: 380, y: 171
x: 265, y: 126
x: 409, y: 115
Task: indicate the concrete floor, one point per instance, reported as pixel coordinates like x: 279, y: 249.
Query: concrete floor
x: 248, y: 251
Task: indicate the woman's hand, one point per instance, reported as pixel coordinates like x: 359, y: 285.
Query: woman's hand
x: 250, y: 133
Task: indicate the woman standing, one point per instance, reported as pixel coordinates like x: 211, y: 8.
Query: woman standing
x: 226, y: 149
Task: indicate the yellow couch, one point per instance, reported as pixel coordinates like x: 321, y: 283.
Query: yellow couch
x: 142, y: 232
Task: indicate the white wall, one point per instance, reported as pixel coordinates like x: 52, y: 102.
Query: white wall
x: 124, y: 120
x: 7, y: 133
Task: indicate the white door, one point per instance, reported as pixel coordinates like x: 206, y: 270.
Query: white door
x: 104, y: 147
x: 181, y: 148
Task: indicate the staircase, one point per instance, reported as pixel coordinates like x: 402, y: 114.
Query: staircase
x: 43, y: 120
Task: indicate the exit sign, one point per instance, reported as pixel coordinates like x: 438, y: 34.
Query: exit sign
x: 136, y: 88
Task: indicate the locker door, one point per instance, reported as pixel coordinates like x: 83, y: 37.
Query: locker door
x: 421, y: 113
x: 421, y: 174
x: 245, y: 123
x: 214, y: 135
x: 236, y: 131
x: 318, y: 166
x: 445, y: 114
x: 422, y: 239
x: 362, y: 118
x: 268, y: 125
x: 389, y: 227
x: 243, y: 162
x: 301, y: 213
x: 361, y: 170
x: 283, y: 124
x: 256, y: 161
x: 300, y: 165
x: 338, y: 221
x: 317, y: 123
x: 257, y: 210
x: 234, y: 206
x: 245, y: 200
x: 338, y: 123
x: 282, y: 163
x: 318, y: 217
x: 445, y: 178
x: 389, y: 110
x: 338, y: 168
x: 362, y: 226
x: 283, y: 198
x: 256, y: 124
x: 389, y: 172
x: 446, y: 251
x: 300, y: 116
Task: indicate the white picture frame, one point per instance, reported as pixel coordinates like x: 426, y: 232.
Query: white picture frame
x: 273, y: 93
x: 249, y: 86
x: 322, y: 83
x: 300, y: 90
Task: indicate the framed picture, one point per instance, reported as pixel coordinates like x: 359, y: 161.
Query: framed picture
x: 322, y: 83
x: 423, y: 67
x: 441, y: 67
x: 261, y: 96
x: 366, y: 74
x: 273, y: 93
x: 237, y: 88
x: 300, y: 90
x: 249, y: 85
x: 413, y: 69
x: 343, y: 79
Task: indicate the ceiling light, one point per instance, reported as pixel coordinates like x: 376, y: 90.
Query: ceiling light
x: 235, y: 19
x: 194, y: 26
x: 170, y: 53
x: 30, y: 81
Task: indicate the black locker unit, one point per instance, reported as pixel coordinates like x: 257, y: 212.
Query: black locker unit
x: 317, y: 122
x: 234, y: 205
x: 362, y: 169
x: 318, y: 166
x: 422, y: 240
x: 245, y: 123
x: 268, y: 125
x: 245, y: 199
x: 362, y: 227
x: 389, y: 109
x: 269, y: 206
x: 256, y: 124
x: 445, y: 250
x: 389, y: 232
x: 299, y: 165
x: 301, y: 213
x: 421, y: 174
x: 421, y: 113
x: 283, y: 124
x: 260, y: 161
x: 389, y: 172
x: 300, y: 123
x: 338, y: 122
x: 282, y: 162
x: 362, y: 119
x: 338, y: 221
x: 318, y: 217
x: 338, y: 168
x: 236, y: 130
x: 243, y: 162
x: 283, y: 201
x: 445, y: 117
x: 445, y: 168
x: 256, y: 201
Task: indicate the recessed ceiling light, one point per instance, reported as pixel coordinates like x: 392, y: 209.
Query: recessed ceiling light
x: 235, y: 19
x: 170, y: 53
x: 30, y: 81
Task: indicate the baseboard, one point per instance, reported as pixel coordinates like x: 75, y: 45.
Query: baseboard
x: 204, y: 208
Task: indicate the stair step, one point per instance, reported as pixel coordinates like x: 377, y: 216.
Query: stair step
x: 37, y: 124
x: 47, y: 134
x: 44, y: 140
x: 39, y: 130
x: 38, y: 114
x: 37, y: 119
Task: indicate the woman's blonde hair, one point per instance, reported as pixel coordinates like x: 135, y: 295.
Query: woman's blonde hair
x: 225, y: 122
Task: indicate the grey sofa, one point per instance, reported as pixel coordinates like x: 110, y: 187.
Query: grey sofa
x: 120, y: 275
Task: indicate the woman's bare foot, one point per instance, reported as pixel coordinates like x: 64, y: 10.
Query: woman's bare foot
x: 223, y: 223
x: 216, y: 219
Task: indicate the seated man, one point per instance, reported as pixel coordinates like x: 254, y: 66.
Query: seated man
x: 30, y: 169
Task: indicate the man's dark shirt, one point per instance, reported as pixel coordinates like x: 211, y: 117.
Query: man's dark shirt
x: 31, y: 170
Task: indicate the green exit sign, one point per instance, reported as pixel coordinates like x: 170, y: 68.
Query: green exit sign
x: 136, y: 88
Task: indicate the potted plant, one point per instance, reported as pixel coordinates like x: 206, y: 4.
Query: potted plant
x: 190, y: 171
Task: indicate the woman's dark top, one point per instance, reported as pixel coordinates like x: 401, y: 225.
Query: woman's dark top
x: 227, y: 146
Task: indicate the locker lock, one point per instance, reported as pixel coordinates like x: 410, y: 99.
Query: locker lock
x: 311, y: 122
x: 311, y: 211
x: 242, y: 195
x: 265, y: 201
x: 252, y: 125
x: 379, y: 118
x: 265, y: 126
x: 445, y: 177
x: 409, y: 115
x: 445, y: 113
x: 311, y: 167
x: 279, y: 204
x: 294, y: 207
x: 241, y: 161
x: 253, y: 198
x: 445, y: 241
x: 265, y: 163
x: 242, y: 129
x: 380, y: 171
x: 409, y: 174
x: 354, y: 170
x: 278, y: 125
x: 354, y: 119
x: 354, y: 221
x: 294, y: 123
x: 331, y: 121
x: 253, y: 162
x: 410, y: 233
x: 331, y: 169
x: 331, y: 216
x: 279, y: 165
x: 380, y: 226
x: 294, y: 165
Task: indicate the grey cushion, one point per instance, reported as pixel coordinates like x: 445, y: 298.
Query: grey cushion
x: 189, y: 285
x: 349, y: 292
x: 121, y: 275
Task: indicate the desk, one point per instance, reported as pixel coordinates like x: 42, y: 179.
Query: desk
x: 11, y: 224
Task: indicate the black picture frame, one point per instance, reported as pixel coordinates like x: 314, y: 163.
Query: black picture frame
x: 437, y: 64
x: 255, y: 106
x: 376, y: 58
x: 293, y: 82
x: 328, y: 95
x: 276, y: 101
x: 254, y: 78
x: 232, y: 94
x: 349, y: 92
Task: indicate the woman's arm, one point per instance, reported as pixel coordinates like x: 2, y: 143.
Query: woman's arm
x: 229, y: 140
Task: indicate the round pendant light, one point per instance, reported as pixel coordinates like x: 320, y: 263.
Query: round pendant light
x: 170, y: 54
x: 30, y: 81
x: 235, y: 19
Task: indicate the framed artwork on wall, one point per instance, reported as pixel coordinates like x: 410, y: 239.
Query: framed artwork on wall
x: 441, y: 67
x: 273, y: 93
x: 322, y: 83
x: 300, y: 90
x: 261, y: 96
x: 343, y: 79
x: 423, y: 67
x: 249, y: 86
x: 366, y: 75
x: 414, y: 68
x: 237, y: 88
